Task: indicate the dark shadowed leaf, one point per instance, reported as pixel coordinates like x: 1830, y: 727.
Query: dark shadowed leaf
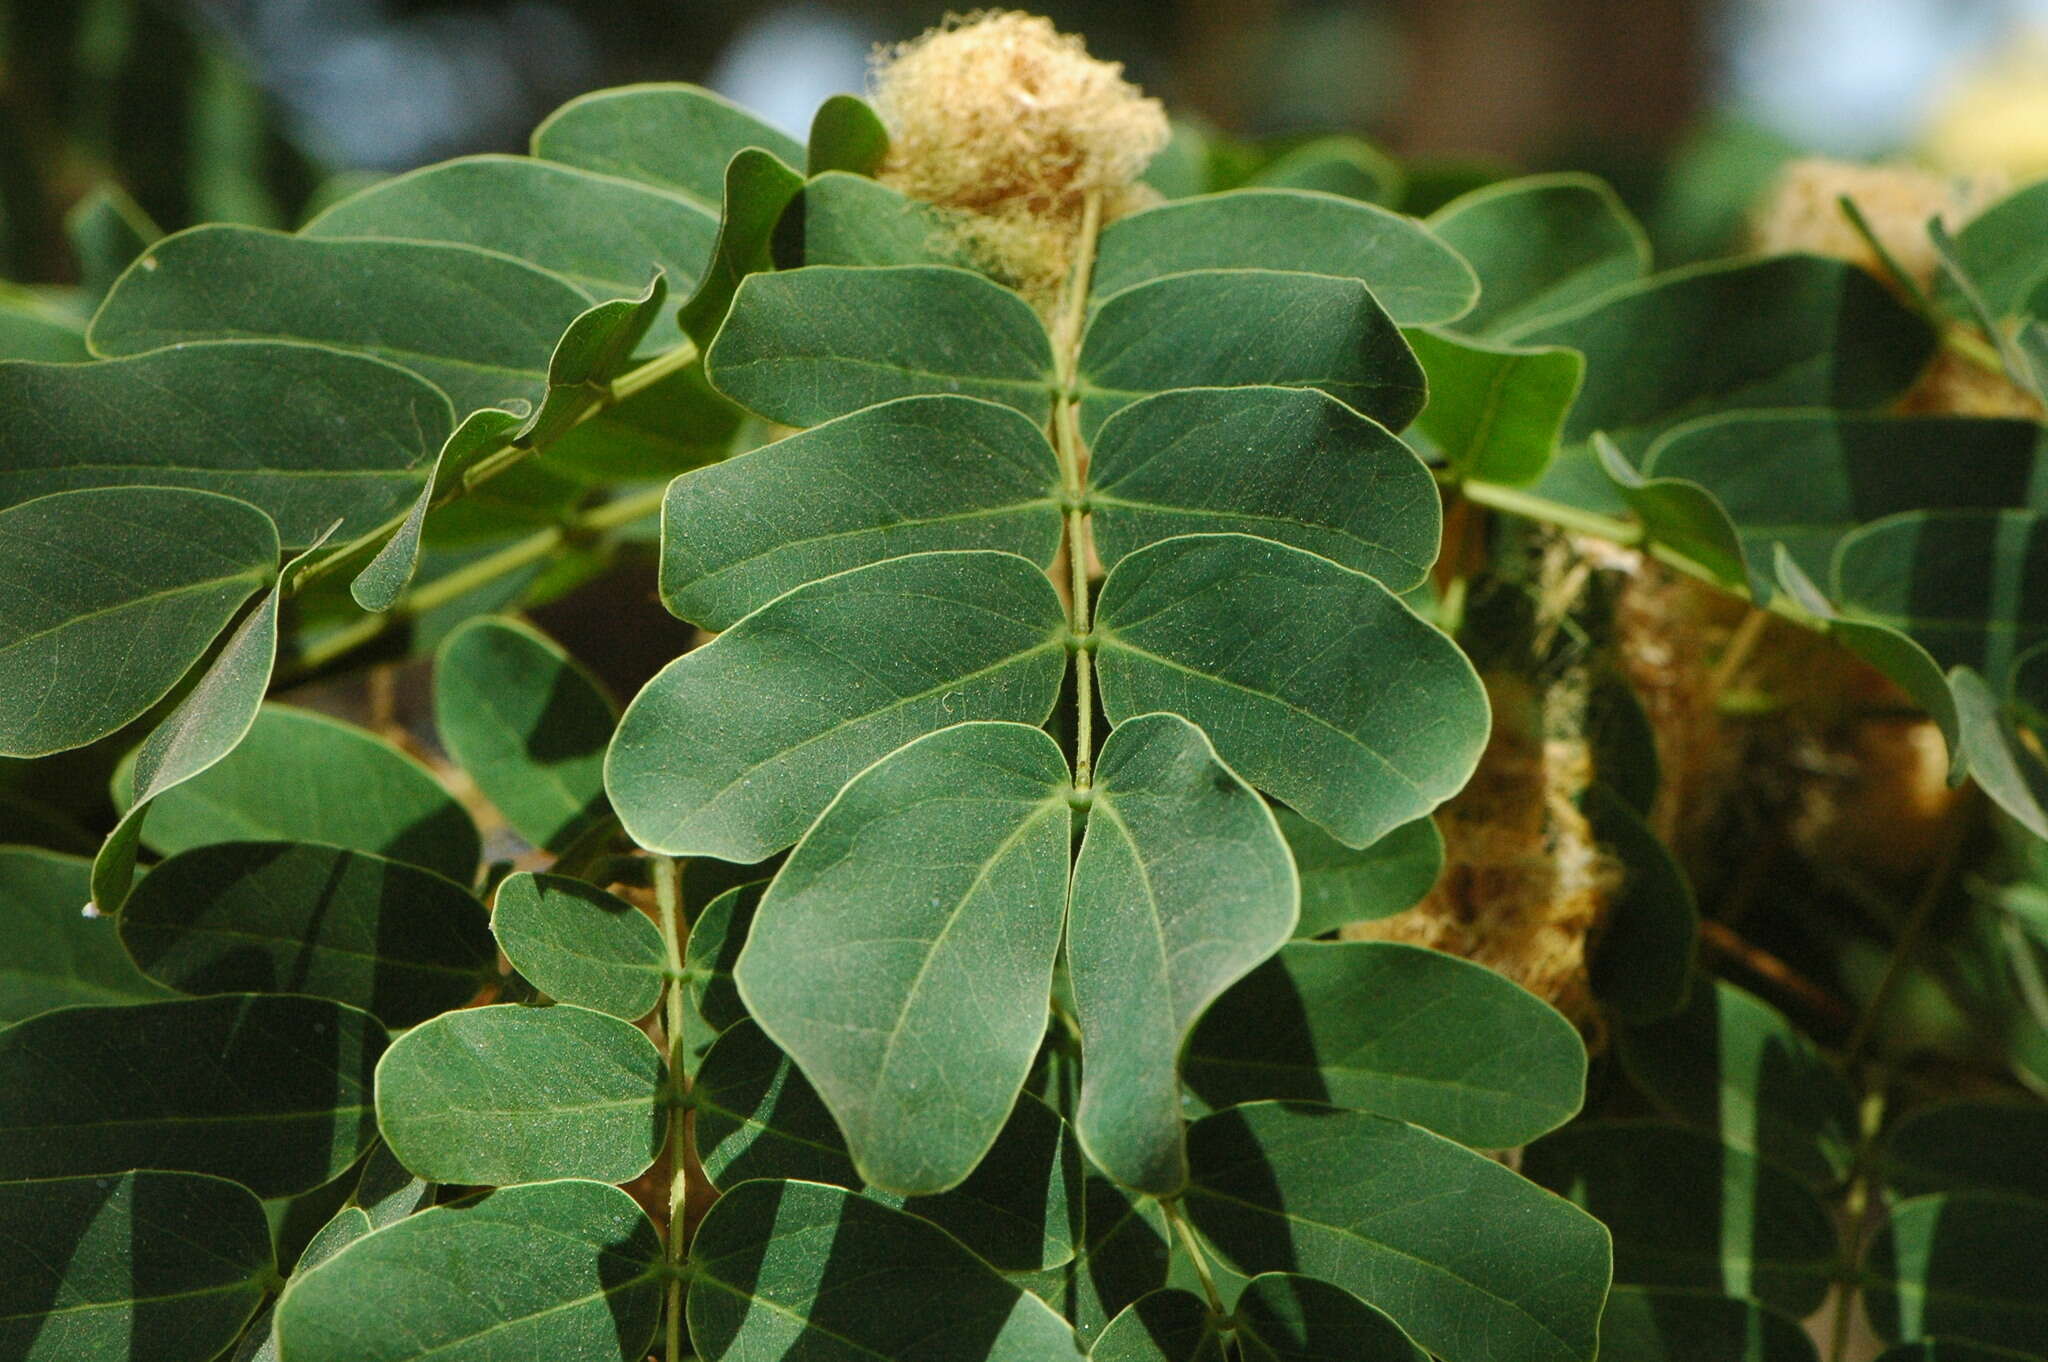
x: 1971, y: 587
x: 717, y: 936
x: 1169, y: 1325
x: 1966, y: 1265
x: 56, y: 955
x: 1541, y: 244
x: 1969, y: 1147
x: 1666, y: 1324
x: 1643, y: 965
x: 1340, y: 884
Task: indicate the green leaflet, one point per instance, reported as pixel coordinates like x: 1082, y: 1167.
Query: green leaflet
x: 904, y: 954
x: 1965, y: 585
x: 1998, y: 755
x: 1167, y: 1325
x: 717, y: 936
x: 1279, y: 1317
x: 528, y: 724
x: 842, y: 219
x: 1316, y: 683
x: 602, y: 234
x: 846, y: 135
x: 1241, y: 328
x: 1337, y: 164
x: 480, y: 325
x: 732, y: 749
x: 386, y: 576
x: 86, y: 575
x: 1684, y: 516
x: 304, y: 433
x: 1415, y: 277
x: 806, y: 345
x: 498, y: 1095
x: 1288, y: 464
x: 1403, y: 1219
x: 1734, y: 1066
x: 1182, y: 886
x: 32, y: 328
x: 1341, y: 885
x: 673, y: 136
x: 1806, y: 479
x: 1495, y: 411
x: 302, y: 777
x: 1643, y: 966
x: 578, y: 944
x: 1999, y: 250
x: 1968, y: 1147
x: 349, y: 1224
x: 784, y: 1269
x: 1398, y: 1030
x: 906, y: 476
x: 167, y: 1266
x: 1688, y: 1211
x: 107, y: 230
x: 273, y: 1092
x: 386, y: 1192
x: 757, y: 1116
x: 1963, y: 1264
x: 758, y: 188
x: 56, y: 955
x: 294, y: 917
x: 554, y: 1270
x: 1663, y: 1324
x: 1541, y: 245
x: 1123, y: 1255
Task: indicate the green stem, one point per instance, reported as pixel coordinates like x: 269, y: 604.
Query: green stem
x: 1186, y: 1234
x: 506, y: 456
x: 1855, y: 1209
x: 668, y: 897
x: 1929, y: 898
x: 1073, y: 454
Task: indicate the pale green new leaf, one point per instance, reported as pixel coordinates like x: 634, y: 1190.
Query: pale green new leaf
x: 528, y: 724
x: 57, y: 955
x: 1474, y: 1263
x: 557, y: 1270
x: 498, y: 1095
x: 157, y: 1265
x: 480, y: 325
x: 1966, y: 1265
x: 1288, y: 464
x: 806, y: 345
x: 673, y: 136
x: 1242, y: 328
x: 1540, y: 245
x: 108, y: 596
x: 578, y: 944
x: 1415, y: 277
x: 1341, y: 885
x: 1667, y: 1324
x: 1399, y: 1030
x: 304, y: 433
x: 904, y: 954
x: 273, y: 1092
x: 1315, y: 682
x: 1495, y: 411
x: 795, y: 1269
x: 1183, y: 885
x: 906, y: 476
x: 297, y: 917
x: 733, y: 749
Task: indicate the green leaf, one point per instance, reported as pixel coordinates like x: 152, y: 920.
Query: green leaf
x: 497, y: 1095
x: 1288, y: 464
x: 1734, y: 1066
x: 402, y: 944
x: 1284, y: 1317
x: 1969, y: 586
x: 842, y: 219
x: 1403, y: 1219
x: 1341, y: 885
x: 758, y: 188
x: 167, y: 1266
x: 1806, y: 479
x: 1684, y: 516
x: 1168, y: 1325
x: 1964, y: 1264
x: 846, y: 134
x: 1415, y: 277
x: 349, y: 1224
x: 558, y: 1270
x: 1020, y: 1211
x: 302, y: 777
x: 1243, y: 328
x: 306, y: 434
x: 1495, y: 411
x: 1183, y: 885
x: 481, y: 326
x: 1997, y: 753
x: 1398, y: 1030
x: 1686, y: 1210
x: 1316, y: 683
x: 782, y: 709
x: 1123, y: 1254
x: 1643, y: 966
x: 528, y: 724
x: 791, y: 1269
x: 32, y: 328
x: 907, y: 476
x: 1541, y: 245
x: 85, y: 575
x: 57, y: 955
x: 107, y: 229
x: 386, y: 1192
x: 602, y: 234
x: 716, y: 939
x: 386, y: 576
x: 1662, y: 1324
x: 1969, y: 1147
x: 806, y: 345
x: 578, y: 944
x: 676, y: 137
x: 1952, y: 1350
x: 757, y: 1116
x: 904, y: 954
x: 273, y: 1092
x: 2000, y: 251
x: 1343, y: 165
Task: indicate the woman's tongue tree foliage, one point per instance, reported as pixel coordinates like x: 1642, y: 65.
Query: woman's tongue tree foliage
x: 1075, y: 666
